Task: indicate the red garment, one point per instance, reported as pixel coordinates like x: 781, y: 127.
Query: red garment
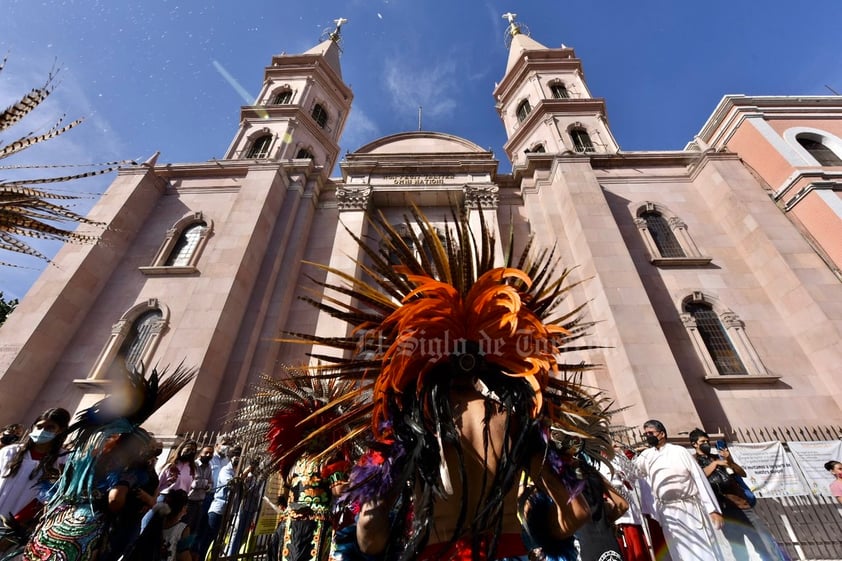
x: 633, y: 543
x: 659, y: 543
x: 28, y: 513
x: 509, y: 545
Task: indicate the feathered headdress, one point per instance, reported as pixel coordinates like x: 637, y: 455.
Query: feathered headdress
x: 298, y: 413
x: 450, y: 304
x: 432, y: 310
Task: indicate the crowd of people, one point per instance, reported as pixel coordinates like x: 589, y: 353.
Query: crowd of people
x: 662, y: 500
x: 447, y: 428
x: 143, y: 514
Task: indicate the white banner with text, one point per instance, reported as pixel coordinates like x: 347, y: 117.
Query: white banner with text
x: 770, y: 470
x: 811, y: 457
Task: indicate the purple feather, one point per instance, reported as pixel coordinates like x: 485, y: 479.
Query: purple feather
x: 374, y: 474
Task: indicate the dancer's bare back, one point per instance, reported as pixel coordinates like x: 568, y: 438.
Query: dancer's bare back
x: 469, y: 409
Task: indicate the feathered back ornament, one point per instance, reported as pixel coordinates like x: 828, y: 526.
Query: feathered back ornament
x: 429, y: 312
x: 133, y: 400
x: 298, y: 413
x: 449, y: 303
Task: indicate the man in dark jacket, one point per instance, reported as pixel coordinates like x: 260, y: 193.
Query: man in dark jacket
x: 740, y: 522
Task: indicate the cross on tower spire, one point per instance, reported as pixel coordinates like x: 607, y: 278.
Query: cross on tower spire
x: 513, y: 28
x: 334, y: 35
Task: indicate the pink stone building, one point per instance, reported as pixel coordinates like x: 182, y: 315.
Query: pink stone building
x: 712, y: 272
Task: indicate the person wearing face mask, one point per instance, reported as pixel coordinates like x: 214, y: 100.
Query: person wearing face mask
x: 202, y: 483
x: 29, y: 468
x: 220, y: 500
x: 683, y: 502
x: 219, y: 459
x: 177, y: 473
x: 100, y: 488
x: 740, y: 522
x: 180, y: 469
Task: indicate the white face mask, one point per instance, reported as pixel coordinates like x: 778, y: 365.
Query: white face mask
x: 41, y: 436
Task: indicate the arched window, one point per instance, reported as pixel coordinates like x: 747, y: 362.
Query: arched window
x: 720, y: 340
x: 260, y: 147
x: 662, y: 235
x: 715, y: 339
x: 666, y: 237
x: 539, y: 149
x: 183, y: 245
x: 581, y: 140
x: 304, y: 154
x: 823, y: 154
x: 283, y: 97
x: 132, y: 350
x: 320, y: 115
x: 559, y: 91
x: 186, y: 245
x: 523, y: 110
x: 133, y: 341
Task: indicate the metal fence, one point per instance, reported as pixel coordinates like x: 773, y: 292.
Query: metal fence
x: 809, y: 526
x: 806, y: 527
x: 249, y: 518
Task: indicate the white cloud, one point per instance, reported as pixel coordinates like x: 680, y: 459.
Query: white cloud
x: 359, y: 130
x: 434, y: 87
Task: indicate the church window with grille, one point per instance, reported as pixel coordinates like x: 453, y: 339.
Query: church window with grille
x: 716, y: 340
x: 132, y: 343
x: 260, y: 147
x: 559, y: 91
x: 523, y: 110
x: 581, y: 140
x: 282, y: 98
x: 666, y: 237
x: 183, y: 250
x: 320, y: 115
x: 138, y: 338
x: 821, y: 152
x: 662, y: 235
x: 304, y: 154
x: 182, y: 247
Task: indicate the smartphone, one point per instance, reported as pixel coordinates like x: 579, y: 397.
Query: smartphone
x: 721, y: 445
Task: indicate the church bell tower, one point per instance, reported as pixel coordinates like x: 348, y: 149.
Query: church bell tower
x: 545, y: 103
x: 301, y: 109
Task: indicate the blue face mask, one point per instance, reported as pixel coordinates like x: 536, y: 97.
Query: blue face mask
x: 41, y: 436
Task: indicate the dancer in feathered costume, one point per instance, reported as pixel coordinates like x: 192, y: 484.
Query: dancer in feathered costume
x: 468, y: 393
x: 290, y: 416
x: 107, y: 441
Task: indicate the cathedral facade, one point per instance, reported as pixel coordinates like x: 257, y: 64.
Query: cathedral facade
x: 711, y: 273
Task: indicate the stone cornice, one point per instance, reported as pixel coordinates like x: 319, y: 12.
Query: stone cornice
x: 542, y: 60
x: 733, y: 109
x: 295, y: 66
x: 367, y: 164
x: 257, y: 117
x: 687, y: 164
x: 579, y: 107
x: 806, y: 190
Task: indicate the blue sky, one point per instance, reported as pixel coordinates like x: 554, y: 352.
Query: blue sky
x: 146, y: 75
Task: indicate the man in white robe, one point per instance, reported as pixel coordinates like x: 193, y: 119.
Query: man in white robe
x: 684, y: 503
